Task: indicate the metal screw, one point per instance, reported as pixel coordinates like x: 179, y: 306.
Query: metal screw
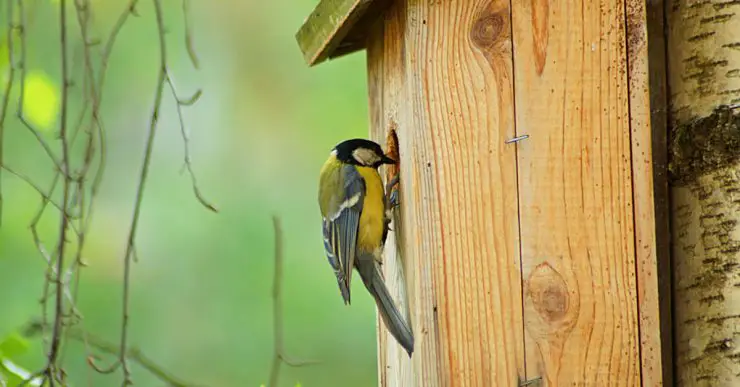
x: 517, y: 139
x: 531, y: 382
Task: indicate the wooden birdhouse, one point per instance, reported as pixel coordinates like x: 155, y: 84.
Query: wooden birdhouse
x: 525, y: 247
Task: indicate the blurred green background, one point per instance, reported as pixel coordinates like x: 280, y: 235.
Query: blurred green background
x: 201, y: 295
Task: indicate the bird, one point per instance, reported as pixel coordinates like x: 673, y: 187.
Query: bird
x: 355, y: 221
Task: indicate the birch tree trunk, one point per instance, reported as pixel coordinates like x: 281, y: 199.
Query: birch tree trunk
x: 704, y: 84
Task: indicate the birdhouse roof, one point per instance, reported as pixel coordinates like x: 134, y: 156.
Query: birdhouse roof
x: 338, y: 27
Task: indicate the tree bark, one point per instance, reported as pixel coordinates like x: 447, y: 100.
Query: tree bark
x: 704, y: 83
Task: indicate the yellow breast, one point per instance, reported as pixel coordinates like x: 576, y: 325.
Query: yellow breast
x: 373, y: 211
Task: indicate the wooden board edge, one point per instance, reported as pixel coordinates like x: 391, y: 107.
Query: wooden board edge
x: 327, y: 26
x: 645, y: 55
x: 377, y: 124
x: 659, y: 128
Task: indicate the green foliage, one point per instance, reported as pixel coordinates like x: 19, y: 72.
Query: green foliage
x: 13, y: 345
x: 10, y: 378
x: 10, y: 372
x: 40, y: 100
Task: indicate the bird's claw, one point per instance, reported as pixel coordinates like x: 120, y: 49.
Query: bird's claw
x: 393, y: 200
x: 392, y: 182
x: 391, y: 193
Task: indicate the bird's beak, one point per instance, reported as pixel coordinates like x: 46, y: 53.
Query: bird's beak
x: 387, y: 160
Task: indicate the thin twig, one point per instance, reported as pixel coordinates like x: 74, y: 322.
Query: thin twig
x: 277, y: 303
x: 6, y: 95
x: 33, y: 328
x: 128, y: 11
x: 161, y: 79
x: 52, y: 372
x: 133, y: 354
x: 42, y: 250
x: 20, y: 111
x: 90, y: 94
x: 188, y: 35
x: 188, y: 102
x: 179, y: 103
x: 277, y: 312
x: 39, y: 190
x: 57, y: 332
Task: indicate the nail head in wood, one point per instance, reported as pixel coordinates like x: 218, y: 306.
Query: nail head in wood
x: 517, y: 139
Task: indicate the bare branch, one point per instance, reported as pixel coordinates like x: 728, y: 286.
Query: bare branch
x: 277, y: 311
x: 27, y: 180
x: 20, y: 111
x: 52, y: 367
x: 188, y: 35
x: 129, y: 10
x: 192, y: 100
x: 44, y: 253
x: 6, y: 95
x: 92, y: 97
x: 161, y: 79
x: 97, y: 343
x: 133, y: 354
x: 188, y: 164
x: 60, y: 272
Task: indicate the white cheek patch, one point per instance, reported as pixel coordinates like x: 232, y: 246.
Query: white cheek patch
x: 346, y: 204
x: 365, y: 156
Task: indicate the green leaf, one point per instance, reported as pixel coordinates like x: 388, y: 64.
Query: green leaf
x: 10, y: 379
x: 13, y: 345
x: 40, y: 100
x: 9, y: 372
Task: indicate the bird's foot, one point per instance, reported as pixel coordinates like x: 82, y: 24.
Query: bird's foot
x: 393, y: 200
x: 392, y: 193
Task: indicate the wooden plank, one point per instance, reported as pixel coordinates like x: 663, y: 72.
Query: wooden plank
x: 651, y: 341
x: 327, y: 26
x: 646, y: 58
x: 387, y: 97
x: 575, y: 186
x: 443, y: 78
x: 657, y: 69
x: 357, y: 37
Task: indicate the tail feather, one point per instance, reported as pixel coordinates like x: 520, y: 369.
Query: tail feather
x: 343, y: 289
x: 393, y: 319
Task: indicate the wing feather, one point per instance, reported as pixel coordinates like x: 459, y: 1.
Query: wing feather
x: 340, y: 226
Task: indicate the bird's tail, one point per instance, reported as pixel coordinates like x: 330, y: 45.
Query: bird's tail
x: 393, y: 319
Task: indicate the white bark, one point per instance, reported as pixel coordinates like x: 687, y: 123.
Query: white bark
x: 704, y: 78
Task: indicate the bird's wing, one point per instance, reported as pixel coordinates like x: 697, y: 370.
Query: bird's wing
x: 341, y: 225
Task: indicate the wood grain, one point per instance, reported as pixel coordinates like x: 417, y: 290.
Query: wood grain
x: 443, y: 77
x: 387, y: 96
x: 644, y: 125
x: 575, y: 192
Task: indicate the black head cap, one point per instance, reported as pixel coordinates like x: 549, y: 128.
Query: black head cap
x: 363, y: 152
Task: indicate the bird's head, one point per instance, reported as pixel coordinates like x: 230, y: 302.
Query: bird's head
x: 361, y: 152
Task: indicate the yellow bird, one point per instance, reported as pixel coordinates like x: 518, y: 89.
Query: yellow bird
x: 356, y: 215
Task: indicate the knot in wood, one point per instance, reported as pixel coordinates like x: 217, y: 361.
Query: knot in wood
x: 489, y: 29
x: 549, y: 293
